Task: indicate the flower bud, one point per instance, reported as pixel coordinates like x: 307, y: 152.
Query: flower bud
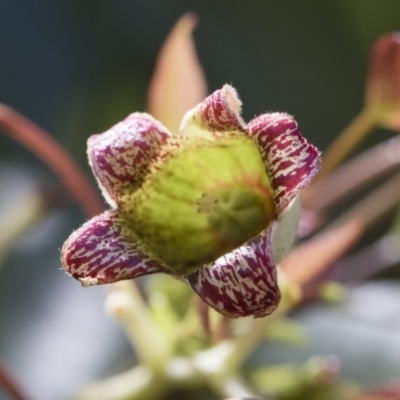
x: 383, y: 82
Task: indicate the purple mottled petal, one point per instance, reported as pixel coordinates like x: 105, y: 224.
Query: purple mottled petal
x: 120, y: 157
x: 241, y: 283
x: 291, y: 162
x: 220, y: 111
x: 104, y: 250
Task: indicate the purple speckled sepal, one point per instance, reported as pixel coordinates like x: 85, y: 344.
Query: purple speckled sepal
x: 104, y: 250
x: 121, y: 156
x: 291, y: 162
x: 241, y: 283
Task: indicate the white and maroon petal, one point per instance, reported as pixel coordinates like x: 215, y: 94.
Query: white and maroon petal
x: 243, y: 282
x: 284, y: 230
x: 291, y: 162
x: 219, y: 112
x: 104, y: 250
x: 120, y: 157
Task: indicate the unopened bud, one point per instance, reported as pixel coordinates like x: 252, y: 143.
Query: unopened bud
x: 383, y: 81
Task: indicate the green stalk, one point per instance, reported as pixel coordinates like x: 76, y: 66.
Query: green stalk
x: 126, y: 304
x: 138, y: 383
x: 245, y: 344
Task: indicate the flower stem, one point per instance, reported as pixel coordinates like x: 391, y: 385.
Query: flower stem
x: 246, y: 343
x: 370, y: 165
x: 321, y: 251
x: 345, y: 143
x: 234, y: 388
x: 371, y: 260
x: 375, y: 205
x: 49, y: 151
x: 136, y: 384
x: 126, y: 304
x: 9, y: 384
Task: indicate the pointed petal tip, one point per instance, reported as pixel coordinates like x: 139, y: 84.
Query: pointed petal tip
x: 219, y: 112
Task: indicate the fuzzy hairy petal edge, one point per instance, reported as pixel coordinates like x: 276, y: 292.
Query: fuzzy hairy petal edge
x: 290, y: 160
x: 120, y: 157
x: 105, y: 250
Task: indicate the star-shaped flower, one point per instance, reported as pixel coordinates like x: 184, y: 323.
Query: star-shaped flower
x: 207, y: 204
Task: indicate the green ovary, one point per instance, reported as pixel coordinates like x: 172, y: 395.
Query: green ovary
x: 203, y: 202
x: 238, y: 214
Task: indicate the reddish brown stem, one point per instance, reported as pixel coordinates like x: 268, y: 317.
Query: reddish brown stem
x: 9, y: 384
x: 50, y: 152
x: 374, y: 205
x: 345, y: 143
x: 371, y: 260
x: 369, y: 166
x: 321, y: 251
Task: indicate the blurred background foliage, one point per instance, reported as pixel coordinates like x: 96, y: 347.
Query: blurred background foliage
x: 78, y: 67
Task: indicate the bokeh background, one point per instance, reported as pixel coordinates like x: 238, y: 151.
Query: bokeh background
x: 77, y: 67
